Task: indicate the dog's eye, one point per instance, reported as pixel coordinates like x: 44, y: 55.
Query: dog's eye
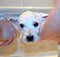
x: 21, y: 25
x: 35, y: 24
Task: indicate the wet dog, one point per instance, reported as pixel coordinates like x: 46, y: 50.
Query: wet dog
x: 30, y: 24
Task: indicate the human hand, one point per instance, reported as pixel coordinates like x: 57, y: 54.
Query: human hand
x: 7, y: 33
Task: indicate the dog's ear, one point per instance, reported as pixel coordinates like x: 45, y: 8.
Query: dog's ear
x: 41, y: 16
x: 14, y: 22
x: 45, y: 16
x: 44, y: 19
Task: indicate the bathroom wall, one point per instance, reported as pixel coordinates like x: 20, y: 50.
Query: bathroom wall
x: 26, y: 3
x: 19, y: 6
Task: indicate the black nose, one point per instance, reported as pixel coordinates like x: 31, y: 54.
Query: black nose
x: 30, y: 38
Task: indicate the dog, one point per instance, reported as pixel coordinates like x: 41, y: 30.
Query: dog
x: 30, y: 24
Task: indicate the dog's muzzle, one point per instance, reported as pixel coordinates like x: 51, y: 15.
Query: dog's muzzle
x: 30, y: 38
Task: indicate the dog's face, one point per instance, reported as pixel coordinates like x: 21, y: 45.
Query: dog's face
x: 30, y: 24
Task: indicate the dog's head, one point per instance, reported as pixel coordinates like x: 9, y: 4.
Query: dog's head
x: 30, y: 24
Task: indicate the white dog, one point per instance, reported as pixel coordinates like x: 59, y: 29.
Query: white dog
x: 30, y: 24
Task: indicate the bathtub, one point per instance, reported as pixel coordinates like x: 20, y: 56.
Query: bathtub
x: 14, y: 13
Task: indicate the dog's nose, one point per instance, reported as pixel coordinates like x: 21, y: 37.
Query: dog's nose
x: 30, y: 38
